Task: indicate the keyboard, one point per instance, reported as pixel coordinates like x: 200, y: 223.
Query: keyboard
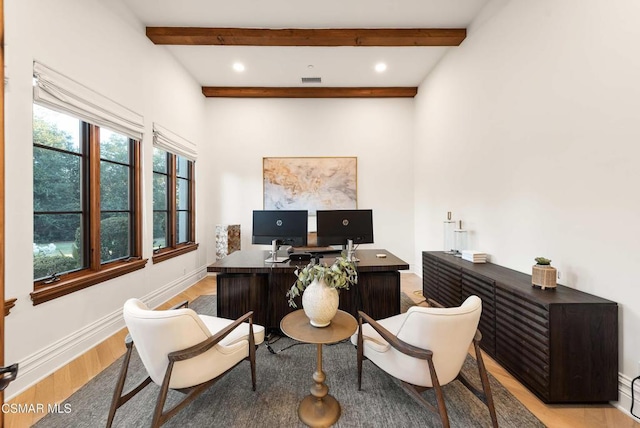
x: 315, y: 250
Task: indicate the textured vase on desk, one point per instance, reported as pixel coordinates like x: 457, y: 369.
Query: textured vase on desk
x: 320, y: 303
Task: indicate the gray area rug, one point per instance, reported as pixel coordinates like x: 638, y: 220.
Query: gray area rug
x: 283, y: 380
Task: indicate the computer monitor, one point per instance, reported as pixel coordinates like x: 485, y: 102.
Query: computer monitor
x: 336, y: 227
x: 286, y: 227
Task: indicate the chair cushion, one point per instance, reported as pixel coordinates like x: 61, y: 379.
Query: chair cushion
x: 447, y: 332
x: 238, y: 334
x: 158, y: 333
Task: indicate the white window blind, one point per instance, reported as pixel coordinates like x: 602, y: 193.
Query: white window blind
x: 167, y: 140
x: 59, y: 92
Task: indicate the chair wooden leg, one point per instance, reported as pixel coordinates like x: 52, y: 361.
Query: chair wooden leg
x: 158, y: 417
x: 442, y: 408
x: 252, y: 354
x: 416, y: 393
x: 119, y: 399
x: 484, y: 395
x: 484, y: 378
x: 360, y: 353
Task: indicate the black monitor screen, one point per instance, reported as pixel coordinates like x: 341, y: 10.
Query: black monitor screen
x: 288, y: 227
x: 335, y: 227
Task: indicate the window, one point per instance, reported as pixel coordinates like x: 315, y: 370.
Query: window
x: 173, y: 205
x: 86, y: 197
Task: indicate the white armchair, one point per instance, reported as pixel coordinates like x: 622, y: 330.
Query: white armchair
x: 426, y: 348
x: 184, y: 351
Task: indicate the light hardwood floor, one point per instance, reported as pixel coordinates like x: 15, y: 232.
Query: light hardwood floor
x: 64, y: 382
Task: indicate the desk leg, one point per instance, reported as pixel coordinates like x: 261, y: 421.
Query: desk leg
x: 319, y: 409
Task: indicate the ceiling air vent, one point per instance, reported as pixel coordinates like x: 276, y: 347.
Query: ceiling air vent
x: 312, y: 80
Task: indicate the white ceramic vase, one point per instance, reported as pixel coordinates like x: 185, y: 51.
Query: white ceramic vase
x: 320, y: 303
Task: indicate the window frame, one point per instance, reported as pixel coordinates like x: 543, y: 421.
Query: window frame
x: 96, y: 272
x: 174, y: 249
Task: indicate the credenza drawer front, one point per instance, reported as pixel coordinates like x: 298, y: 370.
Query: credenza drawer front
x: 430, y: 277
x: 522, y: 344
x: 426, y: 257
x: 449, y: 286
x: 530, y: 306
x: 448, y: 297
x: 519, y: 342
x: 488, y: 342
x: 522, y: 339
x: 483, y: 288
x: 522, y: 364
x: 487, y: 327
x: 533, y: 316
x: 529, y: 331
x: 519, y: 368
x: 513, y: 318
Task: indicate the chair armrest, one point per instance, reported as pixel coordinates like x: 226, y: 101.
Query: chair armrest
x: 210, y: 342
x: 404, y: 347
x: 184, y: 304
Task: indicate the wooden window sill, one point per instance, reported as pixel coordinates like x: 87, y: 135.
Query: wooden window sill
x: 169, y: 253
x: 8, y: 305
x: 84, y: 279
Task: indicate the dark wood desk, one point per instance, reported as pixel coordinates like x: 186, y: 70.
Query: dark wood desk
x: 245, y: 282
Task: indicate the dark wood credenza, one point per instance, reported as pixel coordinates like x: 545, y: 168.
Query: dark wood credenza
x: 245, y: 282
x: 561, y: 343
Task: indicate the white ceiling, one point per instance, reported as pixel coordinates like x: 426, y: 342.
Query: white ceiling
x: 285, y: 66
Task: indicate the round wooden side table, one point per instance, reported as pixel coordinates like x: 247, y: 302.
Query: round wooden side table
x: 318, y: 409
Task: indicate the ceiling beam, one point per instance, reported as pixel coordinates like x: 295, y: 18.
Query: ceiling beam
x: 315, y: 92
x: 306, y: 36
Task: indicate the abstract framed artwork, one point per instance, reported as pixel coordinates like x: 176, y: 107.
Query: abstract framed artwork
x: 310, y: 183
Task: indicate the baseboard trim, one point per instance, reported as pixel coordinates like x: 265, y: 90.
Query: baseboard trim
x: 37, y: 366
x: 624, y: 397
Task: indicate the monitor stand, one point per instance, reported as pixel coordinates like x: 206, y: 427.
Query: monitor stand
x: 273, y: 258
x: 351, y: 252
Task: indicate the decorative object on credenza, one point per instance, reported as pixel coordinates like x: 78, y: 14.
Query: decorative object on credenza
x: 227, y: 239
x: 474, y: 256
x: 460, y: 240
x: 544, y: 275
x: 310, y: 183
x: 319, y: 285
x: 449, y: 227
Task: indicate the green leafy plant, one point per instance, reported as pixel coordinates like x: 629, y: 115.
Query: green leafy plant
x: 44, y: 266
x: 542, y: 261
x: 340, y: 275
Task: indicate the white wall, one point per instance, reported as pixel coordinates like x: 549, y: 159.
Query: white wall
x: 378, y: 131
x: 529, y: 133
x: 99, y: 45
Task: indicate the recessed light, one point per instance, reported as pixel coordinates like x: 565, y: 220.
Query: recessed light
x: 380, y: 67
x: 238, y: 66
